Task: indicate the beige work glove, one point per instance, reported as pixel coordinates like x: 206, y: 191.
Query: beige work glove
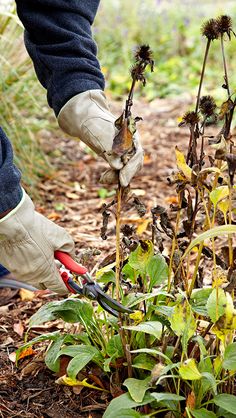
x: 27, y: 244
x: 87, y: 116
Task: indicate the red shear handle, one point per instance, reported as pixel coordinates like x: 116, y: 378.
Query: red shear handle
x: 69, y: 263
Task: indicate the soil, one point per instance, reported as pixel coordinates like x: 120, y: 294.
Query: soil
x: 71, y: 198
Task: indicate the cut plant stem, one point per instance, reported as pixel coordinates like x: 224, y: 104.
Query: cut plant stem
x: 118, y: 258
x: 224, y: 64
x: 202, y: 74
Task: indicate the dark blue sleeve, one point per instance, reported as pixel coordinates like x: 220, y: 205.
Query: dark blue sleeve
x: 59, y: 40
x: 10, y: 189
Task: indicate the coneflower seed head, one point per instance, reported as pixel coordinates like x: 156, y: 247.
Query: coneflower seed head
x: 224, y: 25
x: 189, y: 118
x: 207, y: 106
x: 210, y: 29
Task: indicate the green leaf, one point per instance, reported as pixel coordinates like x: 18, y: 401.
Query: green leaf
x: 229, y: 362
x: 107, y: 277
x: 114, y: 346
x: 140, y: 258
x: 138, y: 298
x: 74, y: 350
x: 70, y: 310
x: 218, y: 194
x: 215, y: 311
x: 189, y: 371
x: 150, y: 327
x: 125, y: 413
x: 164, y: 396
x: 53, y: 336
x: 137, y: 388
x: 157, y: 269
x: 183, y: 323
x: 199, y: 299
x: 129, y: 272
x: 225, y: 401
x: 211, y: 382
x: 144, y: 361
x: 124, y: 402
x: 153, y: 352
x: 78, y: 363
x: 202, y: 413
x: 51, y: 359
x: 211, y: 233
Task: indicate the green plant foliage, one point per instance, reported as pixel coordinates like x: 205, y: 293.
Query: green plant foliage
x: 141, y: 257
x: 229, y: 362
x: 189, y: 371
x: 151, y: 327
x: 216, y: 304
x: 157, y: 270
x: 125, y: 402
x: 225, y: 401
x: 137, y: 388
x: 183, y: 322
x: 202, y: 413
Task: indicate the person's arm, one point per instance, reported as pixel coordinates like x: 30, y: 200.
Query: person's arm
x: 10, y: 189
x: 58, y: 38
x: 28, y: 240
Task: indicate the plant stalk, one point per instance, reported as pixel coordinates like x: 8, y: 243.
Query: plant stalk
x: 202, y: 74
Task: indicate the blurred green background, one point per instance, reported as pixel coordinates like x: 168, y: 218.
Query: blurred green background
x: 171, y: 28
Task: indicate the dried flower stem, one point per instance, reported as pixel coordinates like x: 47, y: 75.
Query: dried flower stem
x: 202, y: 73
x: 224, y: 63
x: 118, y: 258
x: 230, y: 240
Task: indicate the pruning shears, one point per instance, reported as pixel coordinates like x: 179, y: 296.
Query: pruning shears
x: 89, y: 288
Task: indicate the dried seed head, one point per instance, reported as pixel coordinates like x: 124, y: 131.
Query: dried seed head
x: 210, y: 29
x: 207, y: 106
x: 137, y: 73
x: 189, y: 118
x: 144, y: 55
x: 224, y: 25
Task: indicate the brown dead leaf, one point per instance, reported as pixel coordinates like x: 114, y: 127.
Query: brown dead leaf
x: 54, y: 216
x: 19, y: 328
x: 191, y: 400
x: 26, y: 295
x: 72, y: 196
x: 32, y: 368
x: 7, y: 341
x: 123, y: 141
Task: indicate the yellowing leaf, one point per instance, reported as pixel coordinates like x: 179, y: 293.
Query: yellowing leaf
x: 189, y: 371
x: 137, y: 316
x: 26, y: 295
x: 143, y: 226
x: 182, y: 165
x: 64, y: 380
x: 218, y: 194
x: 226, y: 325
x: 183, y: 322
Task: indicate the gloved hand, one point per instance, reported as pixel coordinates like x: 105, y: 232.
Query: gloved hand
x: 87, y: 116
x: 27, y: 244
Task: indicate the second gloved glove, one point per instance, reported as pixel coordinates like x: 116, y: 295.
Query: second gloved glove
x: 87, y: 116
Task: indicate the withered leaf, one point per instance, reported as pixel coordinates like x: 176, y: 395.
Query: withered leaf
x: 123, y: 141
x: 225, y: 108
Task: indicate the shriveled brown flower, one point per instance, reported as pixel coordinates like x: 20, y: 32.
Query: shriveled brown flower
x: 207, y: 106
x: 145, y: 55
x: 210, y: 29
x: 137, y: 72
x: 189, y: 118
x: 224, y: 25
